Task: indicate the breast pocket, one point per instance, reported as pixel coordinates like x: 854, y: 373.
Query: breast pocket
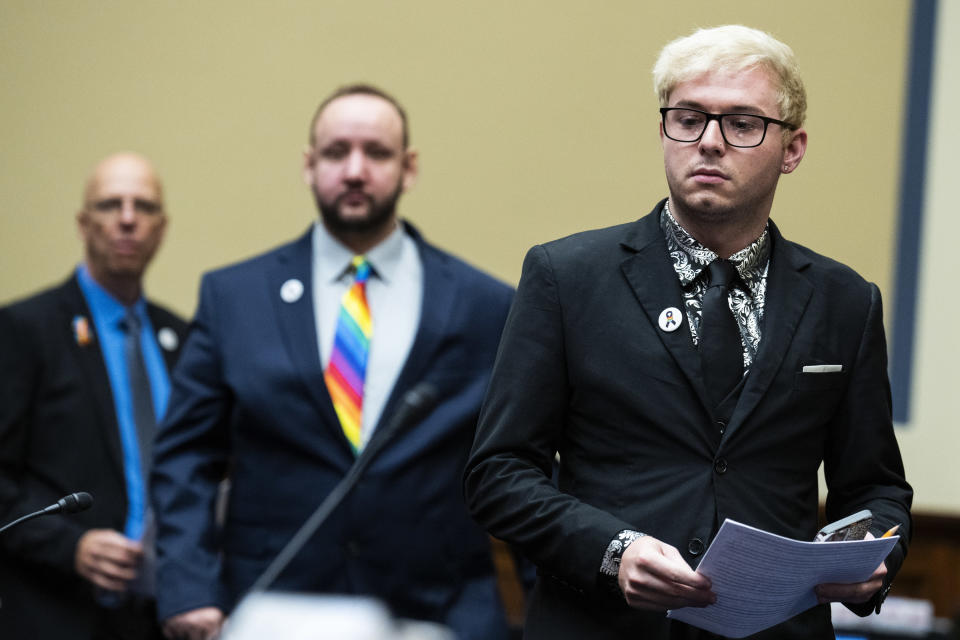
x: 820, y: 381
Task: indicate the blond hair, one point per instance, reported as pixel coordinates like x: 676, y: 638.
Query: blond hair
x: 732, y: 48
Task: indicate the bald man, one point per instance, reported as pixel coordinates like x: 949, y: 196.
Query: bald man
x: 83, y: 380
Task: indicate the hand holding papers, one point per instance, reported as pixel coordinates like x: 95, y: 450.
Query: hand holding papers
x: 762, y: 579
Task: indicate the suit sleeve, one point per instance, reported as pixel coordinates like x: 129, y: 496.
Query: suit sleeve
x: 190, y: 460
x: 862, y: 463
x: 47, y: 541
x: 508, y: 484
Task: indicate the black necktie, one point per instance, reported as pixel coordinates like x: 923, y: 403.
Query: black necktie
x: 143, y: 414
x: 720, y: 349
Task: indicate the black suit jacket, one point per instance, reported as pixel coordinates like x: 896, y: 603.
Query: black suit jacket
x: 58, y: 435
x: 585, y: 370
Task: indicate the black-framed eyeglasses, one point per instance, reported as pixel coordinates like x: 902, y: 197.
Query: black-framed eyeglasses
x: 738, y: 129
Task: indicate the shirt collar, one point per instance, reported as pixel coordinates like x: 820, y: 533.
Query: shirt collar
x: 334, y: 257
x: 749, y: 261
x: 107, y: 308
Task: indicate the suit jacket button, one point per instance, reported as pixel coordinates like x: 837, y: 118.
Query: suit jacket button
x: 721, y: 426
x: 720, y: 466
x: 695, y: 547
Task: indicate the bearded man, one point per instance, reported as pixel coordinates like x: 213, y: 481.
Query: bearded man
x: 297, y: 360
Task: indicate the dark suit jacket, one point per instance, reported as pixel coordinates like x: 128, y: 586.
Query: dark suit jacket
x: 58, y: 435
x: 584, y: 370
x: 249, y: 401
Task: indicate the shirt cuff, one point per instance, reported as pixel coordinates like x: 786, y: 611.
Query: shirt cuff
x: 611, y: 559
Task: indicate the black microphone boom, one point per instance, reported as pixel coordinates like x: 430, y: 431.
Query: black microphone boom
x: 73, y: 503
x: 415, y: 404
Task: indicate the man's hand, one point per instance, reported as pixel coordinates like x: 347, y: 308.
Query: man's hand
x: 654, y: 576
x: 107, y: 558
x: 855, y: 592
x: 197, y: 624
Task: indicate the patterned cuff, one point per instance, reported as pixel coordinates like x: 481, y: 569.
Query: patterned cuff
x: 611, y: 559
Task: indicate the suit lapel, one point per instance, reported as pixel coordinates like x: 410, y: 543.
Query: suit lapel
x: 788, y: 293
x: 439, y: 295
x: 297, y: 323
x: 95, y: 378
x: 657, y: 287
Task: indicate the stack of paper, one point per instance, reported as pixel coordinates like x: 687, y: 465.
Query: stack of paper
x: 761, y: 579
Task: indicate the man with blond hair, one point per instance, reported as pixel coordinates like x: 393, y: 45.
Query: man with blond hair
x: 689, y: 367
x: 83, y: 379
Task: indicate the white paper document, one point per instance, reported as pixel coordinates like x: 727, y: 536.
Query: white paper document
x: 761, y: 579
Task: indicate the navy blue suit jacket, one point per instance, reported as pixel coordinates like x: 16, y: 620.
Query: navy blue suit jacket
x: 249, y: 402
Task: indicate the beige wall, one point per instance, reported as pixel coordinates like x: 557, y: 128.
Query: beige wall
x: 534, y: 119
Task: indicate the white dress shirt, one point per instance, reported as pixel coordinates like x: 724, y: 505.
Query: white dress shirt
x: 394, y: 294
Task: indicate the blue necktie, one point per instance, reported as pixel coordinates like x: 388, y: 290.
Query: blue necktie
x: 143, y: 414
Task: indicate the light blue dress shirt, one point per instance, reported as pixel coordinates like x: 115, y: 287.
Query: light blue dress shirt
x: 107, y: 314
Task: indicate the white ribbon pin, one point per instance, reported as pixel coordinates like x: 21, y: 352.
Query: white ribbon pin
x: 291, y: 290
x: 670, y: 319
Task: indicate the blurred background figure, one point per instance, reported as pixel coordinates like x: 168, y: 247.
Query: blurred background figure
x: 83, y: 380
x: 301, y: 357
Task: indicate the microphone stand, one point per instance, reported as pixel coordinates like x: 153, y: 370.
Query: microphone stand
x: 72, y: 503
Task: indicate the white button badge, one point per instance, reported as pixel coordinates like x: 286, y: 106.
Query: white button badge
x: 670, y: 319
x: 168, y: 339
x: 291, y: 290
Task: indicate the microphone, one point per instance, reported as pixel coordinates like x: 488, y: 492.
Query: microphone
x: 73, y: 503
x: 415, y: 404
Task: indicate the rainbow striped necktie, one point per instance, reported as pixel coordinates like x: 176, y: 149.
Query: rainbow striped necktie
x: 347, y: 368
